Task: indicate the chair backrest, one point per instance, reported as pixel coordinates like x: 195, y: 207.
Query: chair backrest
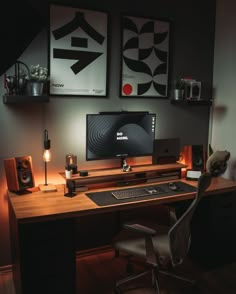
x: 180, y: 233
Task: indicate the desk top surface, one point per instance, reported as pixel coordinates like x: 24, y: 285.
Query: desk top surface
x: 42, y: 206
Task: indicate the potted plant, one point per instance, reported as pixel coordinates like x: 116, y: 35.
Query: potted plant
x: 38, y: 76
x: 179, y: 89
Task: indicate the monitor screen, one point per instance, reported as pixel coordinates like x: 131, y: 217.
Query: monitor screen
x: 119, y: 135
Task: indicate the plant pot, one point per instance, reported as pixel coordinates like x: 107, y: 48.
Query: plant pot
x: 178, y: 94
x: 35, y: 88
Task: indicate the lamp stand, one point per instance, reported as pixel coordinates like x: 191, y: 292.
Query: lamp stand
x: 47, y: 187
x: 45, y: 173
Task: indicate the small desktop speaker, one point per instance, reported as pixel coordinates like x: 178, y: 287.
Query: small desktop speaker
x: 19, y: 174
x: 194, y: 157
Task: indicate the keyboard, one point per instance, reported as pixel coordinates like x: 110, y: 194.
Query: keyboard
x: 137, y: 192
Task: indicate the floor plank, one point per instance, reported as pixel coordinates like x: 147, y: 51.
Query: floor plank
x: 97, y: 273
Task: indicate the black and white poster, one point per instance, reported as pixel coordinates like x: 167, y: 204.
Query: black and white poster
x: 145, y: 57
x: 78, y: 51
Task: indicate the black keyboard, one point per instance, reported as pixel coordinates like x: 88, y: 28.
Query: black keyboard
x: 137, y: 192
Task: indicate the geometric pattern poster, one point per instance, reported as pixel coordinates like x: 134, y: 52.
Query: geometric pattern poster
x: 145, y: 56
x: 78, y: 51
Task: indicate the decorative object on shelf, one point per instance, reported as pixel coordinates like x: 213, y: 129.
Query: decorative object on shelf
x: 179, y: 89
x: 35, y: 88
x: 38, y: 76
x: 78, y: 51
x: 71, y: 163
x: 145, y: 57
x: 192, y: 89
x: 187, y: 89
x: 47, y: 158
x: 16, y: 84
x: 125, y: 166
x: 38, y: 73
x: 10, y: 84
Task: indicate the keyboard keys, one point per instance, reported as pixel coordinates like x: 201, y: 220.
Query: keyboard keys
x: 137, y: 192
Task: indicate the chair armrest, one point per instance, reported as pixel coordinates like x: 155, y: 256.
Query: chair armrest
x: 148, y: 233
x: 140, y: 229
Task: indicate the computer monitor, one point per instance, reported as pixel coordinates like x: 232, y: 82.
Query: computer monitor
x: 119, y: 135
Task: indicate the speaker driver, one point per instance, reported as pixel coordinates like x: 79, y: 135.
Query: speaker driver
x: 25, y: 163
x: 24, y: 177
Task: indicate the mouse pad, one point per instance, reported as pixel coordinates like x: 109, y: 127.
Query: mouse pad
x: 106, y: 198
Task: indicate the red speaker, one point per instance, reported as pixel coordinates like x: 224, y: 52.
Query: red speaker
x: 19, y: 173
x: 194, y: 156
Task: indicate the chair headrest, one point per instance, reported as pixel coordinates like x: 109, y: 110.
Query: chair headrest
x: 217, y: 163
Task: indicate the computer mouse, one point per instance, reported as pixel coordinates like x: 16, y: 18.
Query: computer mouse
x: 173, y: 186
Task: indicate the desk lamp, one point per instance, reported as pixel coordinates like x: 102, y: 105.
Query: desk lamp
x: 46, y: 158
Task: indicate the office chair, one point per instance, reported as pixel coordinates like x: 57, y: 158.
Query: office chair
x: 163, y: 248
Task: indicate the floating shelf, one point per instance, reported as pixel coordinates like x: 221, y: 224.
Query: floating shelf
x: 191, y: 102
x: 22, y: 99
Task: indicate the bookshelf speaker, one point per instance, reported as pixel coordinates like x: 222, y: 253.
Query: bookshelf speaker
x: 198, y: 157
x: 19, y: 174
x: 194, y: 157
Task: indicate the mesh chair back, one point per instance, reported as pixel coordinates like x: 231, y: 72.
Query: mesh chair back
x: 180, y: 233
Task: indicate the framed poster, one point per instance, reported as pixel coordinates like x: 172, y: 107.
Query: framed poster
x: 78, y: 51
x: 145, y: 57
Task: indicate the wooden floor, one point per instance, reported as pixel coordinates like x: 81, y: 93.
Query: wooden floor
x: 97, y: 274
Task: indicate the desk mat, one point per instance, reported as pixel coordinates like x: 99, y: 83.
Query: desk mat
x: 106, y: 198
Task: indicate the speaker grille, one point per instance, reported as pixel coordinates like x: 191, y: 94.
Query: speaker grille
x: 198, y: 158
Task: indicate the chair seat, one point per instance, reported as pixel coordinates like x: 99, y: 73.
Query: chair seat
x: 133, y: 244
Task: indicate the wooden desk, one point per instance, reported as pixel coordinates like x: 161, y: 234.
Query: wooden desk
x: 42, y: 234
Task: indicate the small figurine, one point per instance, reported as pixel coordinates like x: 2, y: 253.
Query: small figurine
x: 125, y: 166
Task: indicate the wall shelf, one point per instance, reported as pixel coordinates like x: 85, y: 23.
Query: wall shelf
x: 207, y: 102
x: 21, y: 99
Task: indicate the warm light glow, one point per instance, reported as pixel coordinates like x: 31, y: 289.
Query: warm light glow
x: 46, y: 155
x: 70, y: 161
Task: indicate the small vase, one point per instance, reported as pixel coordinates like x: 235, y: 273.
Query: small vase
x: 35, y: 88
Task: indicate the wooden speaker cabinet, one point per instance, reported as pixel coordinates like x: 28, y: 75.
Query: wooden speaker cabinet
x: 19, y: 173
